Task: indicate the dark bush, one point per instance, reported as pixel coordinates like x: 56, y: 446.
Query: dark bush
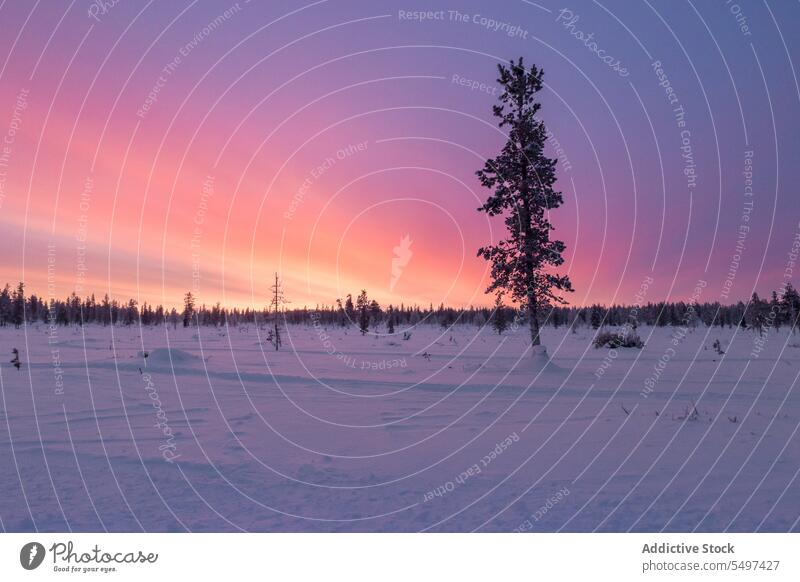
x: 613, y: 339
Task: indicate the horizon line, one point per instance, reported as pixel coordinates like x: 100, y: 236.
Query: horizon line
x: 121, y: 301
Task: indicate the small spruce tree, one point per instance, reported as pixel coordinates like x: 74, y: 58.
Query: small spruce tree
x: 362, y: 306
x: 596, y: 317
x: 188, y: 309
x: 499, y: 319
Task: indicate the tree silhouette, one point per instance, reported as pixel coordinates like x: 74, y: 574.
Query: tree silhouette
x: 18, y: 305
x: 188, y: 309
x: 522, y: 178
x: 276, y: 302
x: 362, y: 306
x: 499, y: 320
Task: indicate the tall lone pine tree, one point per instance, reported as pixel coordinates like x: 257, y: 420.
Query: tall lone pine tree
x: 522, y: 179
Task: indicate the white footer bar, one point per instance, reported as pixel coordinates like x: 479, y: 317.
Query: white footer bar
x: 400, y: 557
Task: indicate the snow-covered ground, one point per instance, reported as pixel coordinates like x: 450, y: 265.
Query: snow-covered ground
x: 215, y: 431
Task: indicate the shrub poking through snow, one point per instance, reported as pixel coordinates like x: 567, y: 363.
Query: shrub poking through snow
x: 612, y: 339
x: 690, y: 413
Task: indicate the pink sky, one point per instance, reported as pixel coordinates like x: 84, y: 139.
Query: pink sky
x: 333, y: 132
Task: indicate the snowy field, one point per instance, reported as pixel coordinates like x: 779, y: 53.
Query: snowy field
x: 447, y: 431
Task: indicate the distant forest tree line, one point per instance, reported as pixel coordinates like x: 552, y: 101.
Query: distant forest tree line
x: 17, y: 308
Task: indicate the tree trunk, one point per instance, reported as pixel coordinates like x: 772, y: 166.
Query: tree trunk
x: 533, y: 304
x: 533, y: 319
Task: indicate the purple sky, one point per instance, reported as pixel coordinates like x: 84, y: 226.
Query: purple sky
x: 311, y: 138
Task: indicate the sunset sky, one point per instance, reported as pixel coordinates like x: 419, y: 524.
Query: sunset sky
x: 150, y: 148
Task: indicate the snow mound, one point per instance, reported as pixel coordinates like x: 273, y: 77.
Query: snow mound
x: 538, y: 361
x: 167, y: 356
